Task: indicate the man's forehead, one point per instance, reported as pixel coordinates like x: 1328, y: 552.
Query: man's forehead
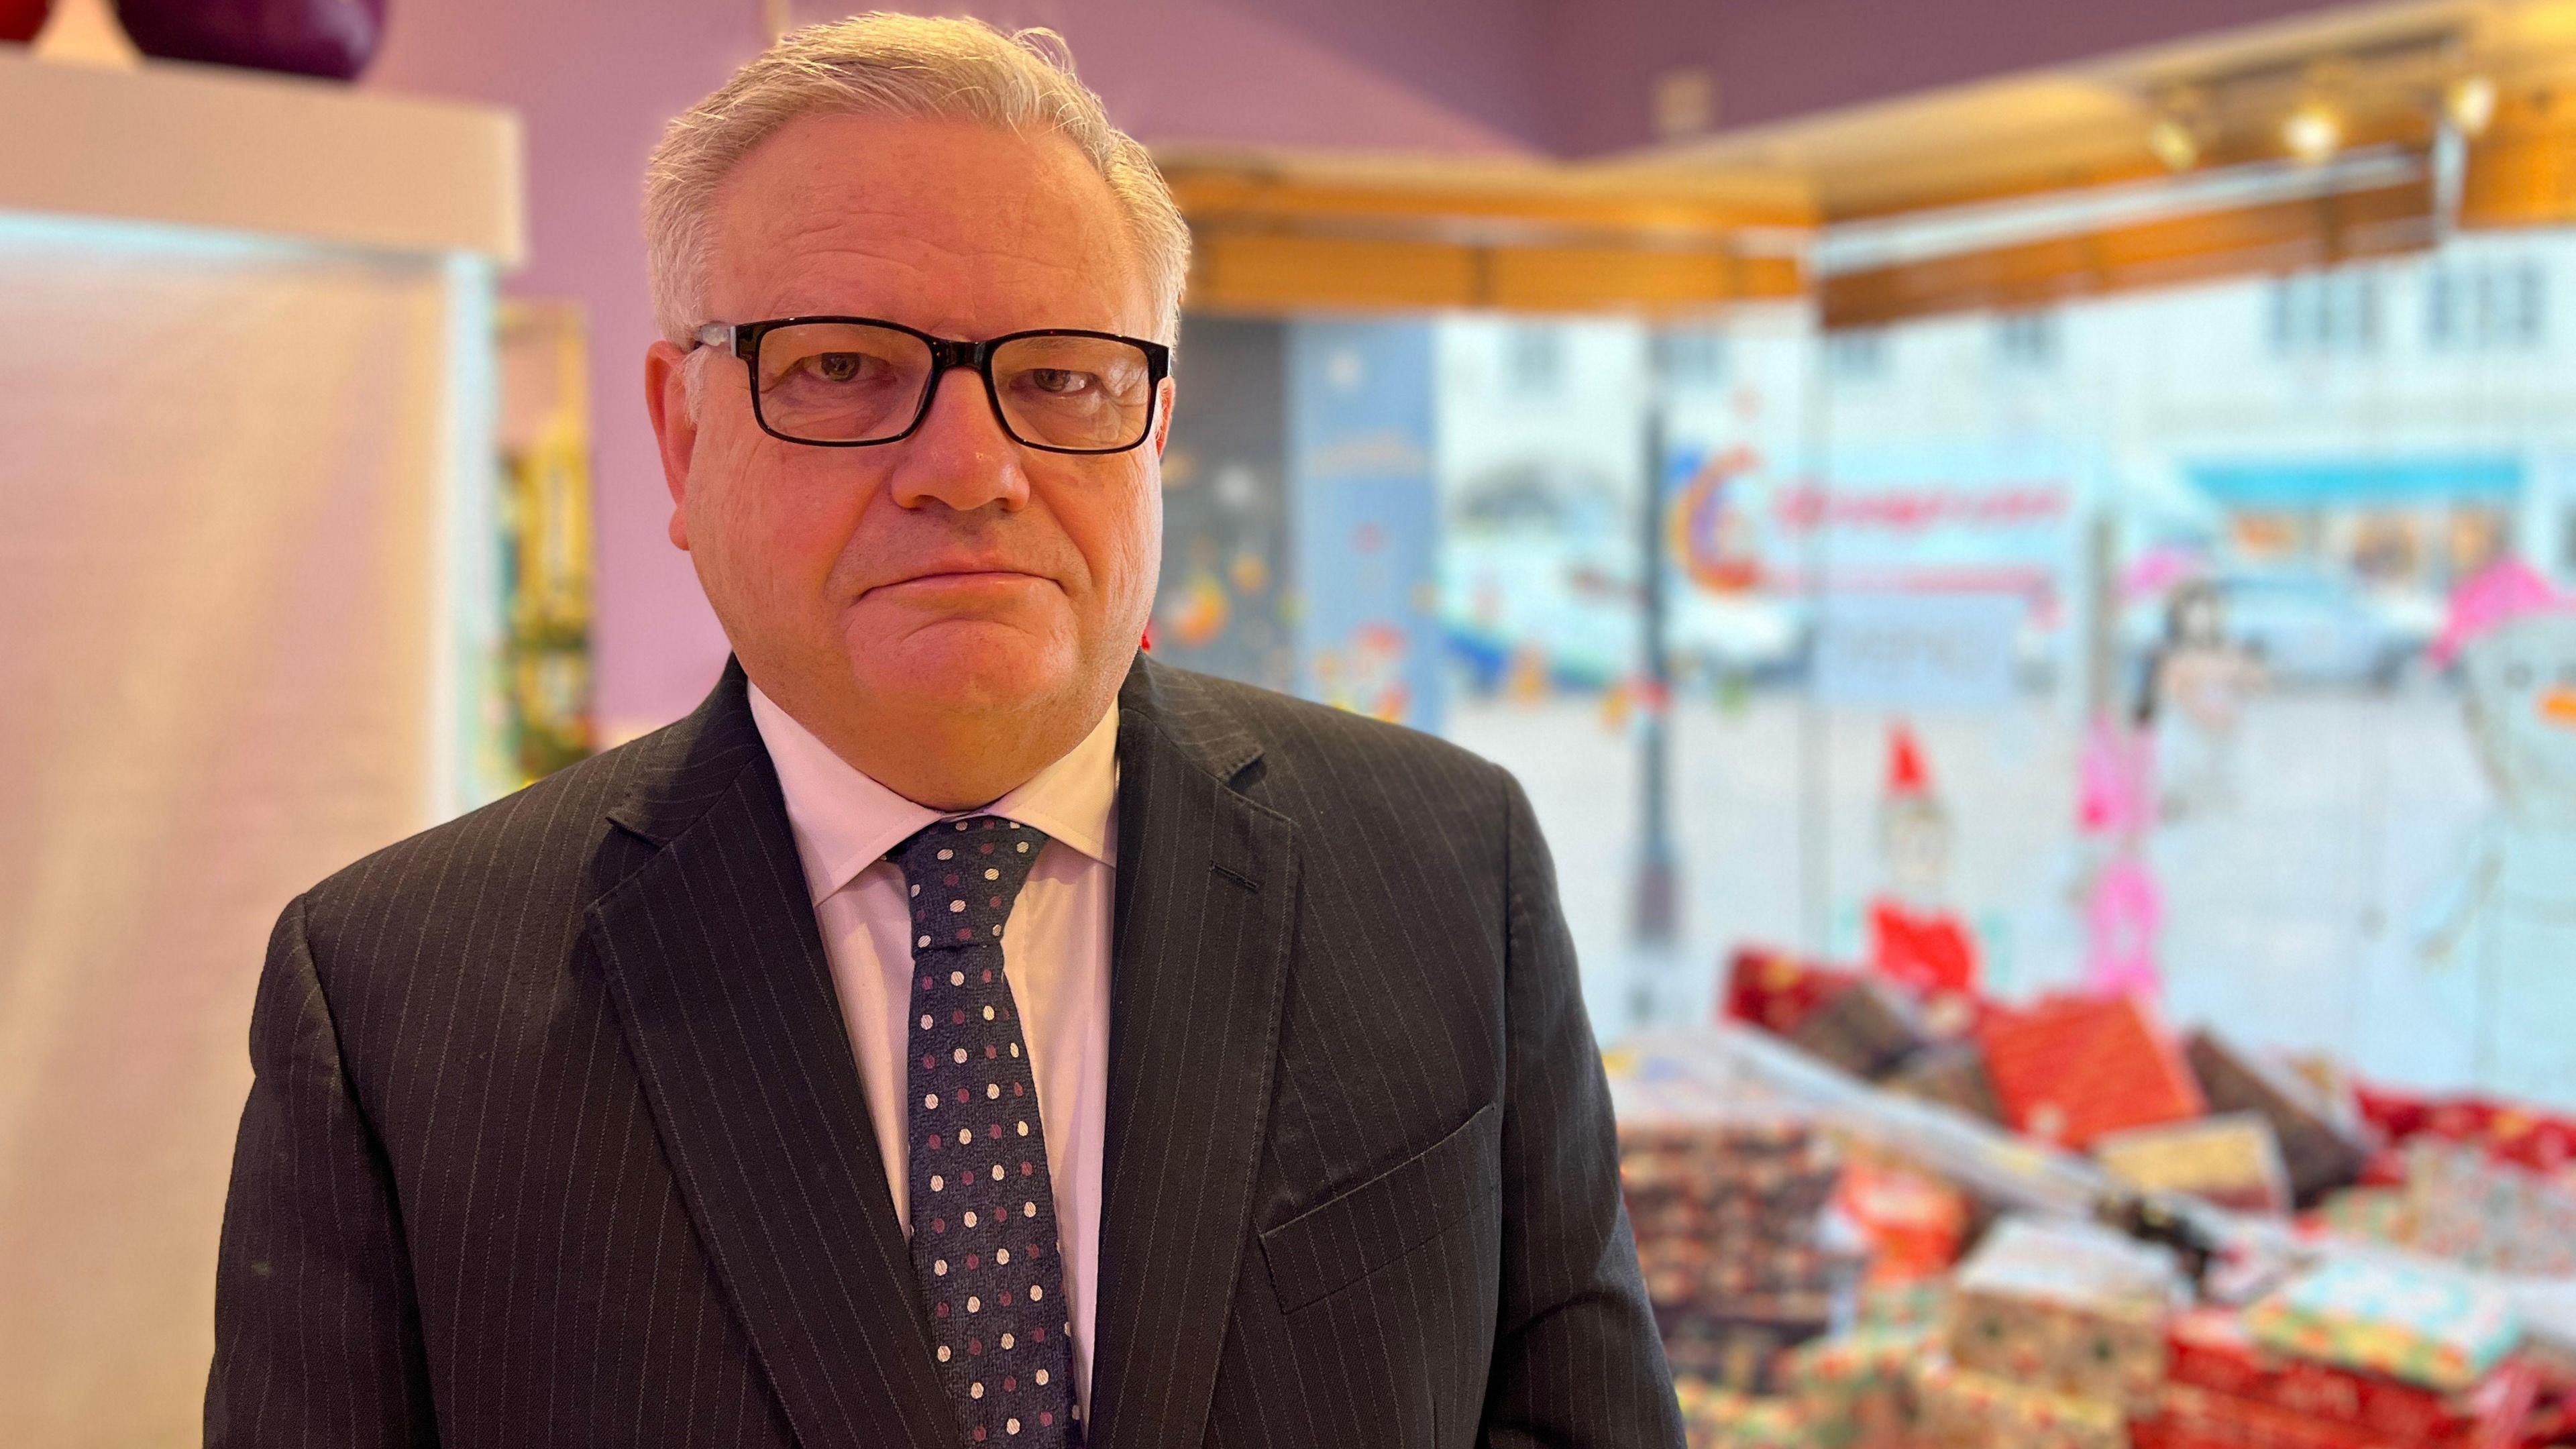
x: 877, y: 214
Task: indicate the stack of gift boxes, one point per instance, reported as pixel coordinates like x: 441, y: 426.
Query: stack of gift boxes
x: 1740, y: 1259
x: 2060, y: 1335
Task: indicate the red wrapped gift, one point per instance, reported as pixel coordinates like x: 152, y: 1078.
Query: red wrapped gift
x: 2215, y: 1364
x: 2070, y: 1069
x: 1776, y: 991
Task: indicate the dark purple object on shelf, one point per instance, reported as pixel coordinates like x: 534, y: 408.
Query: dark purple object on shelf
x: 21, y: 19
x: 332, y: 38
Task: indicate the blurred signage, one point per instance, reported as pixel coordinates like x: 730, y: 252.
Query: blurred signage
x: 1916, y: 651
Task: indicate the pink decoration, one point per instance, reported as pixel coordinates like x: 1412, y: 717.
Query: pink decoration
x: 2508, y: 590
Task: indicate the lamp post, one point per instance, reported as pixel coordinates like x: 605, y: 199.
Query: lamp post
x: 1655, y: 921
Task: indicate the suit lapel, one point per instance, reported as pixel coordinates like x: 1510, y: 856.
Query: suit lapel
x: 1206, y: 889
x: 726, y: 1000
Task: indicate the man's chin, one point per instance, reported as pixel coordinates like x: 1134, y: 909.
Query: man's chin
x: 966, y: 665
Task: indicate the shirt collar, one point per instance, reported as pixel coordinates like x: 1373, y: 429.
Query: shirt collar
x: 845, y: 821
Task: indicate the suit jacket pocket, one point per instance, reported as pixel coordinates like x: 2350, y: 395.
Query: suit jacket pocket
x: 1339, y: 1241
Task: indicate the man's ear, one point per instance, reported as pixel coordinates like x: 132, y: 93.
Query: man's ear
x: 675, y: 427
x: 1163, y: 417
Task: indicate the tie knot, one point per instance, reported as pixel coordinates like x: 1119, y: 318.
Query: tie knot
x: 962, y: 876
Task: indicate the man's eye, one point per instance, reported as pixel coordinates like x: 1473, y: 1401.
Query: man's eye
x: 838, y: 366
x: 1058, y: 380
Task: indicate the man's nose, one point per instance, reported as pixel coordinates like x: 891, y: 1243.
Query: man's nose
x: 959, y: 456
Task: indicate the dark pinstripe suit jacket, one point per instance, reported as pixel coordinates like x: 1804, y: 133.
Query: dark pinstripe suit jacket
x: 557, y: 1138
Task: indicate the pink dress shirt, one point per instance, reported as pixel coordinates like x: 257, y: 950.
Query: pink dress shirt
x: 1058, y: 957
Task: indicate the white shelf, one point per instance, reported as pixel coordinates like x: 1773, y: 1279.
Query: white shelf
x: 243, y: 151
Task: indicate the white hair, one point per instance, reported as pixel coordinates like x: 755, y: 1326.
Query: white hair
x: 894, y: 65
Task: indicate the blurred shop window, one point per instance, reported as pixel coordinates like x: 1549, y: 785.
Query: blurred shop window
x: 1858, y: 355
x: 1534, y: 359
x: 2488, y: 306
x: 545, y: 538
x: 1694, y: 360
x: 2028, y: 342
x: 2325, y: 314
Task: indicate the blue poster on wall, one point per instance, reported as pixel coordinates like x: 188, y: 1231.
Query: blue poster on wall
x: 1364, y: 521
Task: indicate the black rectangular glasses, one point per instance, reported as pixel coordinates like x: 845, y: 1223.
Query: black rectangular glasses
x: 848, y: 382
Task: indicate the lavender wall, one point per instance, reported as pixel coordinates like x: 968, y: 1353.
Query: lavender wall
x: 595, y: 80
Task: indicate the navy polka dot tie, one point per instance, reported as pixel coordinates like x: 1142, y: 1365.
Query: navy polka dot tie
x: 984, y: 1241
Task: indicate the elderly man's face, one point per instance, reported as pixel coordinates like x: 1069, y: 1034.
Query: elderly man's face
x: 955, y: 575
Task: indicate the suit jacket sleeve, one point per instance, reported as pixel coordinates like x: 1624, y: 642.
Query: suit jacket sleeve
x: 1577, y: 1361
x: 317, y: 1329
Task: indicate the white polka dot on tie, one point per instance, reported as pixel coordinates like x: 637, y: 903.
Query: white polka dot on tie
x: 955, y: 906
x: 1015, y: 1048
x: 916, y: 890
x: 930, y: 1101
x: 924, y: 941
x: 1036, y: 1292
x: 1003, y: 1257
x: 974, y: 1304
x: 992, y: 874
x: 1007, y: 1340
x: 1041, y: 1376
x: 1028, y: 1210
x: 988, y: 1013
x: 925, y: 1016
x: 992, y: 1090
x: 961, y: 825
x: 956, y: 978
x: 958, y: 1056
x: 1012, y: 1427
x: 975, y: 1391
x: 948, y: 855
x: 997, y: 1172
x: 937, y: 1183
x: 939, y: 1269
x: 970, y: 1220
x: 1024, y: 1129
x: 1024, y: 847
x: 943, y: 1357
x: 965, y: 1135
x: 997, y: 928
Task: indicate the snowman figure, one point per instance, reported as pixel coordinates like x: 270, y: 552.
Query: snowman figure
x: 2508, y: 912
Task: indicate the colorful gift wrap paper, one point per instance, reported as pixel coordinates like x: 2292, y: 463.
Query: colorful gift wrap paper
x: 2217, y: 1359
x: 1856, y: 1388
x: 2467, y: 1207
x: 2417, y: 1325
x: 2232, y: 1161
x: 1958, y: 1408
x: 2322, y: 1148
x: 1719, y: 1418
x: 2066, y: 1307
x: 1775, y: 991
x: 1867, y: 1029
x: 2070, y: 1069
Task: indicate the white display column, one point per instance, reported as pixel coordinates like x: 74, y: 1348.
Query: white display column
x: 246, y: 564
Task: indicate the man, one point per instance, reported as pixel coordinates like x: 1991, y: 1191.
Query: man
x: 961, y: 1029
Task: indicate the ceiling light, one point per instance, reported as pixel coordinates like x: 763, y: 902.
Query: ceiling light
x: 2471, y: 104
x: 2312, y: 132
x: 2173, y: 143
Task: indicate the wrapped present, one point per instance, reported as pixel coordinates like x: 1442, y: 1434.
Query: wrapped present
x: 1957, y: 1408
x: 2215, y: 1358
x: 1855, y: 1387
x: 1952, y: 1075
x: 2417, y: 1325
x: 1719, y: 1418
x: 2322, y: 1148
x: 2070, y: 1069
x: 2371, y: 1214
x: 1743, y: 1351
x: 2232, y: 1161
x: 1912, y: 1222
x: 2070, y: 1308
x: 1867, y: 1029
x: 1775, y: 991
x: 1902, y: 1306
x: 2470, y: 1208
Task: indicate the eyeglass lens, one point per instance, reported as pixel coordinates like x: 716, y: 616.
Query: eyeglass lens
x: 852, y: 382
